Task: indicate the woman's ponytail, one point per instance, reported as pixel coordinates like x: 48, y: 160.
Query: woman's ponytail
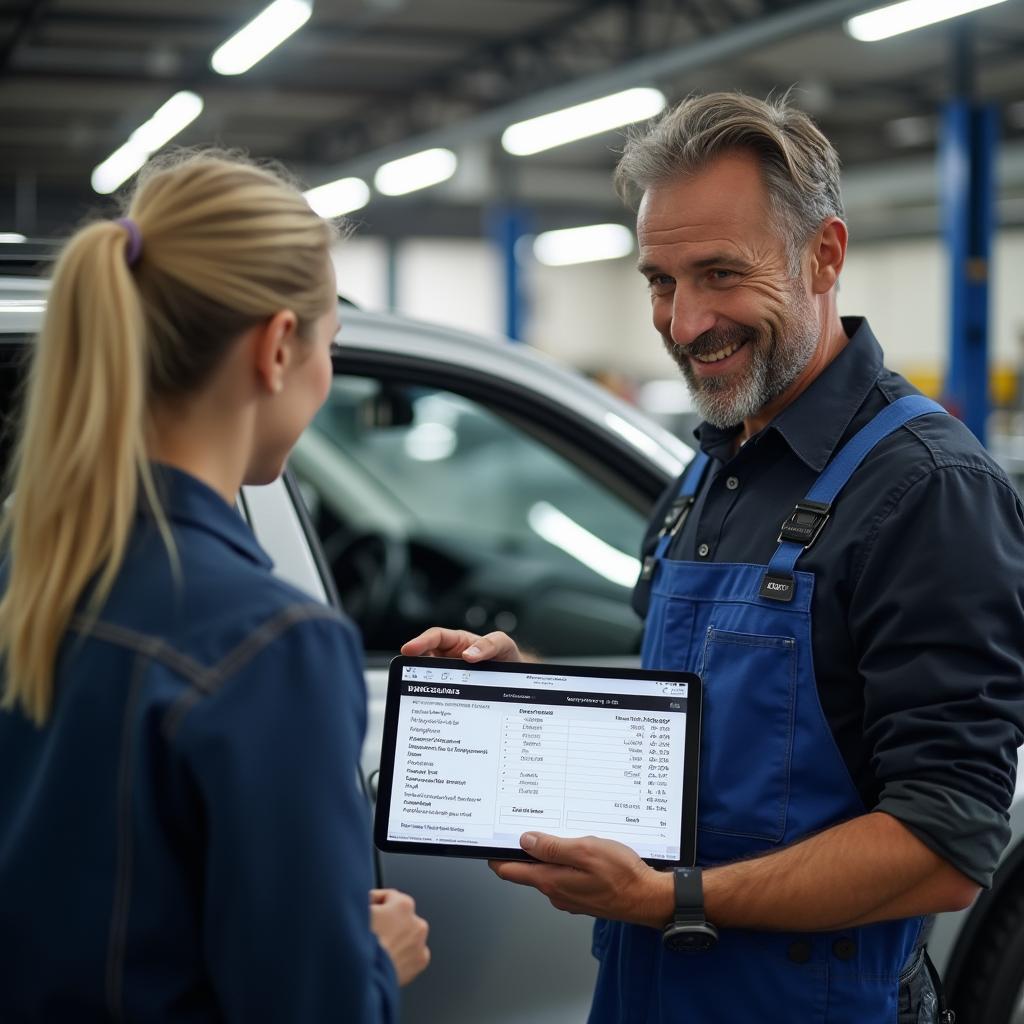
x: 76, y: 471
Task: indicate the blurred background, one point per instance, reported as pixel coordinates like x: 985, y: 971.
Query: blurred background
x: 928, y: 121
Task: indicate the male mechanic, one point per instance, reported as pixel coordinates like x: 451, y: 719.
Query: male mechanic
x: 843, y: 565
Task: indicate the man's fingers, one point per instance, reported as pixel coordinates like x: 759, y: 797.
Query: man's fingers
x: 551, y: 880
x: 428, y: 640
x: 553, y: 849
x: 495, y: 646
x: 438, y: 640
x: 537, y: 876
x: 460, y: 643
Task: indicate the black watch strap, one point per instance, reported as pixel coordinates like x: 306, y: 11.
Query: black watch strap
x: 689, y: 888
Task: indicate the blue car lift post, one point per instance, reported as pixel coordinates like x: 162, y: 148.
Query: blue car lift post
x: 967, y: 170
x: 508, y: 224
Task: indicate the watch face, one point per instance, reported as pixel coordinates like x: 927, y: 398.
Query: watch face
x: 694, y: 939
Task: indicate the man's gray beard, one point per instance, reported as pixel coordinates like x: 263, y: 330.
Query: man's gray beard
x: 775, y: 364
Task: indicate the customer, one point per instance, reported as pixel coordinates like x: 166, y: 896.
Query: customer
x: 182, y: 833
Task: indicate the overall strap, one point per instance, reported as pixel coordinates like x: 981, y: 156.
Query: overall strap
x: 802, y: 527
x: 680, y: 508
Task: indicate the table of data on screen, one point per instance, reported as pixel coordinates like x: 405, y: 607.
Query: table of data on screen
x: 481, y: 758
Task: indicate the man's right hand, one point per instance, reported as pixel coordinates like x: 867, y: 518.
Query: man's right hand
x: 437, y: 642
x: 400, y: 931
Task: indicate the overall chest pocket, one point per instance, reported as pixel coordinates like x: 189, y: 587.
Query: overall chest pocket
x: 747, y: 733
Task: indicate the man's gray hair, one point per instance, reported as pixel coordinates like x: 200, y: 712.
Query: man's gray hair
x: 799, y: 165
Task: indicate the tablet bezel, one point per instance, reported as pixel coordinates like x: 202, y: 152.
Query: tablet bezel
x: 691, y: 754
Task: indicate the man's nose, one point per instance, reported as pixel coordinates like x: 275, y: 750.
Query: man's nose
x: 690, y: 319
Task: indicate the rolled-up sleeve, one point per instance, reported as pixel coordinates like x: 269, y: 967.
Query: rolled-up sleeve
x: 274, y: 755
x: 937, y: 617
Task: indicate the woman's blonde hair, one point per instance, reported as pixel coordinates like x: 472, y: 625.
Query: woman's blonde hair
x: 225, y: 244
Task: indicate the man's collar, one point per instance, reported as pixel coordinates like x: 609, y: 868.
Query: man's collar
x: 189, y: 502
x: 813, y: 425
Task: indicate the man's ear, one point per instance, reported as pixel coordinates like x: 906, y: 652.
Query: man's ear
x: 274, y: 349
x: 828, y: 253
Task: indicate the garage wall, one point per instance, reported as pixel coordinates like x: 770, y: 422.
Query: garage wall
x: 452, y: 281
x: 361, y: 265
x: 903, y: 286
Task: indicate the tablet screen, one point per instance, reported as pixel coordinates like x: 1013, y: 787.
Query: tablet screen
x: 476, y: 755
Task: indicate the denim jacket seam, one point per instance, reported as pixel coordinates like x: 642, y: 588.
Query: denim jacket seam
x: 125, y: 854
x: 216, y: 675
x: 154, y: 647
x: 203, y: 680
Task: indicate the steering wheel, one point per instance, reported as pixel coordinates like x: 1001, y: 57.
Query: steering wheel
x: 369, y: 570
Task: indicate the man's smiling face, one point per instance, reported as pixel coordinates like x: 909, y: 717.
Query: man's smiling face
x: 739, y: 324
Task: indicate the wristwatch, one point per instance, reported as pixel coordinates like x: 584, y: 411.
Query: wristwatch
x: 689, y: 930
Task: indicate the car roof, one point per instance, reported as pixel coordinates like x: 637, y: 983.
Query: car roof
x: 375, y: 335
x: 517, y: 365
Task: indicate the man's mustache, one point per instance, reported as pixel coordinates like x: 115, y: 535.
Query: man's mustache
x: 712, y: 341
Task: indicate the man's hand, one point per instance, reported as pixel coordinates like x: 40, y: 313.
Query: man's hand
x: 592, y: 876
x: 401, y: 932
x: 867, y: 869
x: 437, y: 642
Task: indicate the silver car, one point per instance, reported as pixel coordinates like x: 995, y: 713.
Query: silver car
x: 453, y: 479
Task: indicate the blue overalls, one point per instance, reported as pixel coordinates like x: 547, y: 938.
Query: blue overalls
x: 771, y: 774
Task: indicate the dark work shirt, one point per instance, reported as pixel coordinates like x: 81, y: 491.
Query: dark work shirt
x: 918, y: 604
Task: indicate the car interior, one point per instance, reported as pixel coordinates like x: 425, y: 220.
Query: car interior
x: 432, y: 508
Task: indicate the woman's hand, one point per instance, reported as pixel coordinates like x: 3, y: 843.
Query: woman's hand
x: 400, y: 931
x: 437, y: 642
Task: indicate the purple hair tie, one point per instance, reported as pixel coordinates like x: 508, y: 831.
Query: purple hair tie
x: 134, y: 250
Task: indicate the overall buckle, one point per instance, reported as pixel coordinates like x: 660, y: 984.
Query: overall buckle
x: 676, y: 516
x: 805, y: 523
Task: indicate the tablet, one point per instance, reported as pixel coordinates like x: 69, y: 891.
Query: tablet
x: 475, y: 755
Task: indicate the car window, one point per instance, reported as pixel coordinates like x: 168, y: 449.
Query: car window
x: 433, y: 509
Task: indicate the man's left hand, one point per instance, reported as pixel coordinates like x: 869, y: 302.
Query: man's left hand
x: 592, y: 876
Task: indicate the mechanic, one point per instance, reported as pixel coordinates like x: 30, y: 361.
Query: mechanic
x: 182, y: 835
x: 843, y: 564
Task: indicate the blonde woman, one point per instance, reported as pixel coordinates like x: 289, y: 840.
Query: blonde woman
x: 182, y: 837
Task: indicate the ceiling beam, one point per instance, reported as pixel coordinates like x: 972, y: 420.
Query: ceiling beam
x: 645, y: 70
x: 149, y: 23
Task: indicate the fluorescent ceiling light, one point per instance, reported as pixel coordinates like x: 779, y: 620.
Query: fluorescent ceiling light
x: 12, y: 236
x: 555, y: 129
x: 421, y: 170
x: 583, y: 245
x: 14, y: 307
x: 558, y: 529
x: 265, y: 32
x: 338, y: 197
x: 904, y: 17
x: 178, y: 112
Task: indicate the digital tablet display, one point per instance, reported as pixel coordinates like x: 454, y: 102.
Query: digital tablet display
x: 475, y: 755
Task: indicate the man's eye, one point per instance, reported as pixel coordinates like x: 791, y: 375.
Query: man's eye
x: 721, y: 275
x: 660, y: 281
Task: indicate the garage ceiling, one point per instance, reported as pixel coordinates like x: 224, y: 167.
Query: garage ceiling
x: 77, y: 76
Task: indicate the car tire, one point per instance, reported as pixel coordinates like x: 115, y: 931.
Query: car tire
x: 991, y: 985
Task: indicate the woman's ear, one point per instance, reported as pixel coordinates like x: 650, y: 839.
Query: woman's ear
x: 273, y: 347
x: 828, y: 255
